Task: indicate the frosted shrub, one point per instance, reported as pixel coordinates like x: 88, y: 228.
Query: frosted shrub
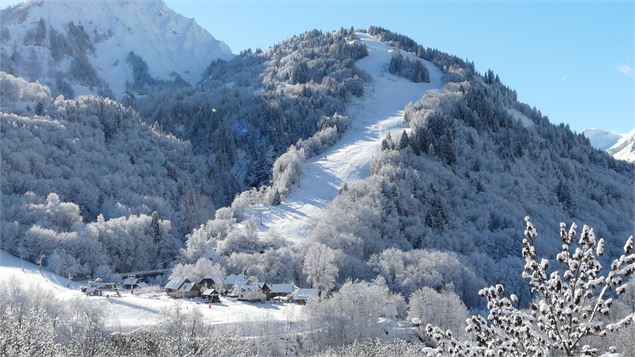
x: 568, y: 307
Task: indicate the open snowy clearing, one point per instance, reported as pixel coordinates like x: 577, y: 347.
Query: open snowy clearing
x: 131, y: 311
x: 379, y: 112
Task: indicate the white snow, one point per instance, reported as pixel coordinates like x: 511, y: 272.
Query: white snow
x: 167, y: 41
x: 132, y: 311
x: 602, y: 139
x: 624, y: 149
x: 379, y: 112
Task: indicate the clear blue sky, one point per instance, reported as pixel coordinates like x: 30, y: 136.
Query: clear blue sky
x: 572, y: 60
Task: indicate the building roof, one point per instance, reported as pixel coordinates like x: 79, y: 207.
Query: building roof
x: 175, y: 283
x: 262, y: 285
x: 209, y: 292
x: 187, y: 287
x: 305, y: 294
x: 282, y: 288
x: 232, y: 279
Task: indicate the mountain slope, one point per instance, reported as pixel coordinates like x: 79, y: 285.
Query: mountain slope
x: 624, y: 149
x: 444, y: 204
x: 80, y: 47
x: 378, y: 113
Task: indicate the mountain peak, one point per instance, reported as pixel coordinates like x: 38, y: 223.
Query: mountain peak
x: 103, y: 33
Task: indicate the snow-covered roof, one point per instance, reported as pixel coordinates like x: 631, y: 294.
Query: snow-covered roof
x: 305, y: 294
x: 209, y: 292
x: 262, y: 284
x: 175, y: 283
x: 187, y: 287
x: 232, y: 279
x: 282, y: 288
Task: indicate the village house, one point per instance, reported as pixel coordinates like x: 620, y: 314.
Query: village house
x: 189, y: 290
x: 266, y: 289
x: 302, y: 296
x: 211, y: 295
x: 250, y: 292
x: 281, y: 290
x: 232, y: 282
x: 173, y: 286
x: 207, y: 283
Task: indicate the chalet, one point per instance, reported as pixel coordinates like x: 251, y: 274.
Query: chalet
x: 250, y: 292
x: 207, y: 283
x: 173, y: 286
x: 211, y: 295
x: 130, y: 283
x: 189, y: 290
x: 301, y: 296
x: 281, y: 290
x: 234, y: 280
x: 266, y: 289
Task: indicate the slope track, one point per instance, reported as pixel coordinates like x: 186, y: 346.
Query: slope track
x: 379, y: 112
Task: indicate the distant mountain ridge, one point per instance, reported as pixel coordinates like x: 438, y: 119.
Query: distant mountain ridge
x: 624, y: 149
x: 84, y: 47
x: 602, y: 139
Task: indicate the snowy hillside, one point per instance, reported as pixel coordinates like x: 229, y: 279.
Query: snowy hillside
x: 377, y: 114
x: 624, y: 149
x: 80, y: 47
x: 602, y: 139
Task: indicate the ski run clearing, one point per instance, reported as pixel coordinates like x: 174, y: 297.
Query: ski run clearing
x: 379, y: 112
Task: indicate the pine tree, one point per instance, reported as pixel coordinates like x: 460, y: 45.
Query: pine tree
x: 404, y: 141
x: 276, y: 199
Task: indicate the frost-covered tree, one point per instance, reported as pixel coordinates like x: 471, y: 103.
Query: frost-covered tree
x: 201, y: 269
x: 350, y: 314
x: 319, y: 267
x: 569, y: 304
x: 443, y: 309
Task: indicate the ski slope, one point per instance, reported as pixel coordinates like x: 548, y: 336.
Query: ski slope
x: 379, y: 112
x: 133, y: 311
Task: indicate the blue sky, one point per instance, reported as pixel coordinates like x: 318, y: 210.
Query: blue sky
x: 572, y: 60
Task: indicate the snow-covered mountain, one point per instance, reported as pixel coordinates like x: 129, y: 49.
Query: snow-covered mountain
x: 624, y: 149
x: 80, y: 47
x: 602, y: 139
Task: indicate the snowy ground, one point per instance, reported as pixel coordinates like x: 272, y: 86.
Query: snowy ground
x: 131, y: 311
x: 379, y: 111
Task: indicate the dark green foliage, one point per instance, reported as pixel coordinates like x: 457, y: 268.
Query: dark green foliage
x: 83, y: 71
x: 409, y: 69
